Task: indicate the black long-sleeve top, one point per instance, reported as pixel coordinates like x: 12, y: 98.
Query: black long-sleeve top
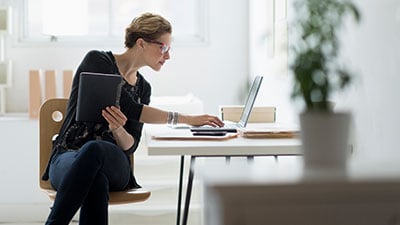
x: 74, y: 134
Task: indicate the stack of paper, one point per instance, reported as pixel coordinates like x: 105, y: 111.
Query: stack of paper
x: 268, y: 134
x: 272, y: 130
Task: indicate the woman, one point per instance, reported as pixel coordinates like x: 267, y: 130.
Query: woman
x: 89, y: 160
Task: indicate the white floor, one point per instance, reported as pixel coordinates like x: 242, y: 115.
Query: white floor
x: 18, y: 214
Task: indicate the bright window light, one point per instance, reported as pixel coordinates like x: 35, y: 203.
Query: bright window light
x: 79, y: 21
x: 64, y: 17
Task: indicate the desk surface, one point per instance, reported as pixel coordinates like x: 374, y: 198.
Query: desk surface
x: 233, y: 147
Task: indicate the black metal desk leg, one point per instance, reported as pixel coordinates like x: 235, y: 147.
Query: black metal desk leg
x: 178, y: 211
x: 188, y: 191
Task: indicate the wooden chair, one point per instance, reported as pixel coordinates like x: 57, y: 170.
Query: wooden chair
x: 51, y: 116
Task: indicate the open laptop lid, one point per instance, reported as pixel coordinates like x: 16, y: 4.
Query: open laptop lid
x: 251, y: 98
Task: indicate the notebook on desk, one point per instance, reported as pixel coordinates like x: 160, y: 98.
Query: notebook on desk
x: 96, y: 92
x: 231, y: 126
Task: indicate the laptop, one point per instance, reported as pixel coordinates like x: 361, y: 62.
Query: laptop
x: 96, y: 92
x: 229, y: 125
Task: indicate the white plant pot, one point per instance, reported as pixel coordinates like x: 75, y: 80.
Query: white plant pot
x: 325, y: 140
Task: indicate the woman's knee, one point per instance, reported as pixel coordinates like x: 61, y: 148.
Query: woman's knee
x: 101, y: 150
x: 95, y: 149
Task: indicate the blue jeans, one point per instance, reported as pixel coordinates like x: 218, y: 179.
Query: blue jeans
x: 83, y: 179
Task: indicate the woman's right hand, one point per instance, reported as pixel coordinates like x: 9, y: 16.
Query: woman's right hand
x: 116, y: 121
x: 114, y: 117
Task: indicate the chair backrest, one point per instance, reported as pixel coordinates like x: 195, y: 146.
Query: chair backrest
x: 51, y: 116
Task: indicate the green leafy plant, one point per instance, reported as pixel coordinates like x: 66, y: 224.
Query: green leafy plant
x: 316, y: 68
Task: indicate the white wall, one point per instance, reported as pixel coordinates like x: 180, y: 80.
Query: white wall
x: 268, y: 55
x: 19, y: 162
x: 200, y: 69
x: 373, y: 50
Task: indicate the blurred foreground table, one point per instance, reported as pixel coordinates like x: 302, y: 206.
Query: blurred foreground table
x: 365, y: 194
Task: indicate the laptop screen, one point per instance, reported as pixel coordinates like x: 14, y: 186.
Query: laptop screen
x: 251, y: 98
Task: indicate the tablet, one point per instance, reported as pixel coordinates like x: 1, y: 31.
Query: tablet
x: 96, y: 91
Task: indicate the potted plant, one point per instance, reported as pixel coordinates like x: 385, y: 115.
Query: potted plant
x: 318, y: 74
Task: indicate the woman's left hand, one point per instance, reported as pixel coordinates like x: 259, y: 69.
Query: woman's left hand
x: 114, y: 117
x: 205, y: 119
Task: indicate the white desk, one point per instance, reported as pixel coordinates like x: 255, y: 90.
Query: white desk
x: 253, y: 195
x: 233, y: 147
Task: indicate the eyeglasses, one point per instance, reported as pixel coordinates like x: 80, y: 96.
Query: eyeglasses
x: 164, y: 48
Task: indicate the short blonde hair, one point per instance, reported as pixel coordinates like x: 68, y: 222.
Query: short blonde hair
x: 147, y: 25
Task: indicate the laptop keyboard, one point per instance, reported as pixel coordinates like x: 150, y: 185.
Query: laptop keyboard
x: 228, y: 127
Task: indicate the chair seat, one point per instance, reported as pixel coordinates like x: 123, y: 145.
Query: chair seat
x: 119, y: 197
x: 129, y: 196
